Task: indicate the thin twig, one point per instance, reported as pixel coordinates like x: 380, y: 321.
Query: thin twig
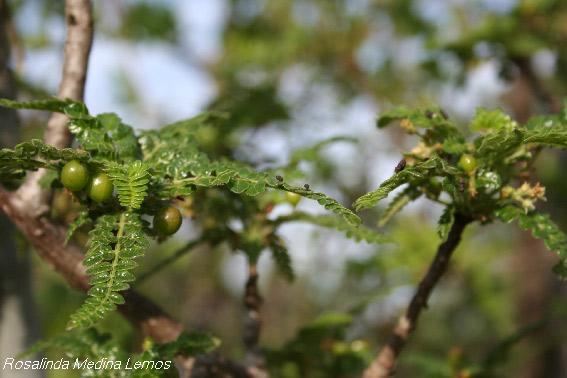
x: 253, y: 321
x: 170, y: 259
x: 385, y: 362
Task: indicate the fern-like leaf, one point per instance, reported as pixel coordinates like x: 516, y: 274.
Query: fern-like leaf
x: 114, y: 244
x: 419, y: 171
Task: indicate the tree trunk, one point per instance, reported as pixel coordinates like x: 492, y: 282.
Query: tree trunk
x: 18, y: 321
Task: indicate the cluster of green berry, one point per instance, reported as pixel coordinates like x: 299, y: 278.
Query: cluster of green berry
x: 75, y: 177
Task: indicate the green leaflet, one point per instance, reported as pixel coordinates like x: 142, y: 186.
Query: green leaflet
x: 356, y: 232
x: 419, y: 171
x: 541, y: 227
x: 114, y: 244
x: 130, y: 181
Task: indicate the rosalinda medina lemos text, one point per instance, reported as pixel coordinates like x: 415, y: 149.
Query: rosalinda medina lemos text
x: 84, y: 364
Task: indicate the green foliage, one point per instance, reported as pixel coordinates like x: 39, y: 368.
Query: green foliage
x: 115, y: 242
x: 542, y: 227
x: 475, y: 175
x: 413, y: 174
x: 32, y: 155
x: 131, y: 182
x: 147, y: 170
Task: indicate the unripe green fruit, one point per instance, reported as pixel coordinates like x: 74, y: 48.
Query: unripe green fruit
x: 292, y: 198
x: 100, y: 188
x: 74, y: 176
x: 467, y: 163
x: 167, y: 221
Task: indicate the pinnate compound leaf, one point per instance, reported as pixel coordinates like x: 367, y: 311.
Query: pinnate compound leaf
x: 115, y: 242
x: 418, y: 171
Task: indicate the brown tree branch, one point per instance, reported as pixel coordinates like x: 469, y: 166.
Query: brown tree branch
x: 48, y: 239
x: 385, y: 362
x: 79, y: 20
x: 253, y: 321
x: 30, y: 197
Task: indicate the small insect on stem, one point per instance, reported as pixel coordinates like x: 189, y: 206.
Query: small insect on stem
x: 306, y: 186
x: 400, y: 166
x: 279, y: 178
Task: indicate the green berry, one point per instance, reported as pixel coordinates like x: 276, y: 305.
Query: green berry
x: 467, y: 163
x: 74, y: 176
x: 100, y: 188
x: 292, y: 198
x: 167, y: 221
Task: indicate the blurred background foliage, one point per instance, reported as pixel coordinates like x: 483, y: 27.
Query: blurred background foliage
x: 290, y: 73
